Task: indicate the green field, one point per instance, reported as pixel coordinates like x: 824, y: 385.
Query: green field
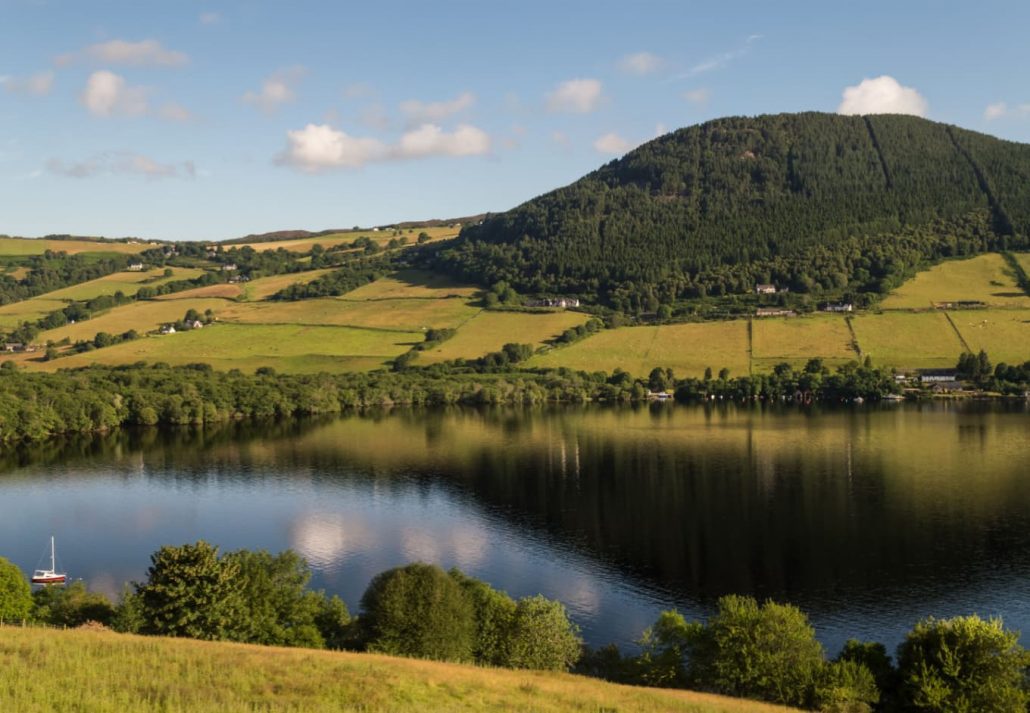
x: 141, y: 316
x: 985, y: 278
x: 13, y: 314
x: 488, y: 331
x: 1003, y: 334
x: 911, y: 340
x: 1024, y: 261
x: 103, y: 672
x: 685, y: 348
x: 27, y: 246
x: 128, y: 283
x: 796, y: 340
x: 399, y: 314
x: 411, y: 284
x: 303, y: 245
x: 292, y: 348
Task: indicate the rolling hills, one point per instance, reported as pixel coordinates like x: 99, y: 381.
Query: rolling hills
x: 818, y: 203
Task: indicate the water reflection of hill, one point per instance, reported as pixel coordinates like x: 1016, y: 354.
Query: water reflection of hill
x: 817, y: 507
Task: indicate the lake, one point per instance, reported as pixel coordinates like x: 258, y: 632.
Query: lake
x: 867, y: 518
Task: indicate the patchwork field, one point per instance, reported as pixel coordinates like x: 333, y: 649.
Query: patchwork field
x: 489, y: 331
x: 381, y: 237
x: 128, y: 283
x: 1003, y: 334
x: 38, y: 246
x: 985, y: 278
x: 141, y: 316
x: 397, y: 315
x: 797, y: 340
x: 912, y: 340
x: 293, y: 348
x: 265, y: 287
x: 411, y: 284
x: 13, y: 314
x: 685, y: 348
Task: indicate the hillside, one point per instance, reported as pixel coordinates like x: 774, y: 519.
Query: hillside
x: 814, y: 202
x: 48, y: 670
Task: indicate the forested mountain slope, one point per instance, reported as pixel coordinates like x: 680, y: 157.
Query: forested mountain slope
x: 814, y: 202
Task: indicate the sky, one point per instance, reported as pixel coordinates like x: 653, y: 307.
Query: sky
x: 210, y: 120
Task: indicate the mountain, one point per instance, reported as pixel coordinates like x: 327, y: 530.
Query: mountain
x: 819, y: 203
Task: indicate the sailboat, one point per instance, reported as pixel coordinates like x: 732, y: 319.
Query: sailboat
x: 50, y: 576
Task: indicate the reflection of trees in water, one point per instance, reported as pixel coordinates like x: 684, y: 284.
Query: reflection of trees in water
x: 733, y: 506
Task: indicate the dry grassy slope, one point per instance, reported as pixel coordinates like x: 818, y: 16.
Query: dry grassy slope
x: 103, y: 672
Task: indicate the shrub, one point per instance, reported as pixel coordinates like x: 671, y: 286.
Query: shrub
x: 72, y: 606
x: 542, y: 637
x: 15, y: 593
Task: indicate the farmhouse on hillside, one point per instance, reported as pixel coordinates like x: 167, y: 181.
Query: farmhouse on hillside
x: 839, y: 307
x: 931, y: 376
x: 763, y: 289
x: 135, y: 267
x: 168, y: 329
x: 562, y: 302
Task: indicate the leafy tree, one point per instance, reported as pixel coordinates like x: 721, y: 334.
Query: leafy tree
x: 15, y: 593
x: 766, y: 651
x: 963, y: 665
x: 190, y: 592
x: 418, y: 610
x: 71, y: 606
x: 845, y: 687
x: 494, y: 613
x: 542, y: 637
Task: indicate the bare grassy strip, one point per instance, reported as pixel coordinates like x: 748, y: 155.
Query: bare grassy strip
x: 102, y: 672
x: 223, y: 290
x: 407, y: 315
x: 141, y: 316
x: 288, y: 348
x: 687, y: 349
x: 489, y: 331
x: 128, y: 283
x: 303, y: 245
x: 38, y: 246
x: 796, y: 340
x: 910, y: 340
x: 985, y: 278
x: 411, y: 284
x: 1003, y: 334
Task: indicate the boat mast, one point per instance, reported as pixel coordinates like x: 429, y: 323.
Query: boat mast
x: 53, y: 555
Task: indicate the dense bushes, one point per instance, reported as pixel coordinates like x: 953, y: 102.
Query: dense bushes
x: 15, y: 594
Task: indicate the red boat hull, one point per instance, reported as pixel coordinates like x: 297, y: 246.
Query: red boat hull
x: 49, y: 580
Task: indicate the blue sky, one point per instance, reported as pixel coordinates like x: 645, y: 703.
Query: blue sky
x: 183, y: 120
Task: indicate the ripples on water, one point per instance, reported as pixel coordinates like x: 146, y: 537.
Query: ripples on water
x: 868, y: 519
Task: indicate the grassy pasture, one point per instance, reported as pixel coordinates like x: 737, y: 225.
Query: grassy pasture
x: 13, y: 314
x: 399, y: 315
x: 102, y: 672
x: 411, y: 284
x: 985, y: 278
x: 38, y: 246
x: 303, y: 245
x: 1024, y: 260
x: 293, y: 348
x: 796, y: 340
x: 685, y: 348
x: 909, y: 339
x: 489, y: 331
x: 1003, y: 334
x: 141, y: 316
x: 127, y: 282
x: 223, y: 290
x: 264, y: 287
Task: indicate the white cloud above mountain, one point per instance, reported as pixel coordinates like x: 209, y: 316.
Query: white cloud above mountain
x: 418, y: 112
x: 145, y: 53
x: 575, y: 96
x: 640, y: 63
x: 882, y: 95
x: 121, y: 162
x: 278, y: 88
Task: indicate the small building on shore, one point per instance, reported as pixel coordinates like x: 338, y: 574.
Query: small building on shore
x: 775, y: 312
x: 938, y: 376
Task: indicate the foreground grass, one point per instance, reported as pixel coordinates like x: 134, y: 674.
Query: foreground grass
x: 104, y: 672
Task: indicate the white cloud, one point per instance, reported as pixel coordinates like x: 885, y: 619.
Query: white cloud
x: 660, y: 129
x: 431, y: 140
x: 319, y: 147
x: 143, y: 53
x: 882, y: 95
x: 577, y: 96
x: 122, y: 162
x: 38, y: 84
x: 640, y: 63
x: 1001, y: 110
x: 209, y: 18
x: 419, y: 112
x: 612, y: 143
x: 698, y: 97
x: 107, y: 94
x: 277, y: 89
x: 560, y: 138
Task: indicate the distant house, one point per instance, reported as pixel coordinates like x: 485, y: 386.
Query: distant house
x: 761, y: 289
x: 839, y: 307
x: 14, y: 347
x: 195, y: 324
x: 168, y: 329
x: 229, y: 267
x: 932, y: 376
x: 135, y: 267
x: 774, y: 312
x: 561, y: 302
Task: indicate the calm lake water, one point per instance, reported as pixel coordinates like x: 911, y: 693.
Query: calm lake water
x: 868, y: 519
